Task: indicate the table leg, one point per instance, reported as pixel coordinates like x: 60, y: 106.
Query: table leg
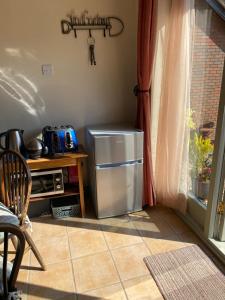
x: 81, y: 188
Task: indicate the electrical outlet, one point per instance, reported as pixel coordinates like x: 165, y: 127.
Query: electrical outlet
x: 47, y: 70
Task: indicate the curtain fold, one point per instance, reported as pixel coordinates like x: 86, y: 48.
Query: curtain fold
x: 145, y: 57
x: 171, y: 155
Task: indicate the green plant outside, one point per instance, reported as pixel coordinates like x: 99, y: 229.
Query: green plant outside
x: 200, y: 153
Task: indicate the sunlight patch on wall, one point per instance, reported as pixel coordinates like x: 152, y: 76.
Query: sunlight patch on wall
x: 13, y: 52
x: 22, y: 90
x: 32, y: 85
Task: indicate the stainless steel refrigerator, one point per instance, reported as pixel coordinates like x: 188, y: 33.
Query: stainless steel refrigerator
x: 115, y: 169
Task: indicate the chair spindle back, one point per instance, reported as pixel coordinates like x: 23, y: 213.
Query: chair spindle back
x: 15, y: 183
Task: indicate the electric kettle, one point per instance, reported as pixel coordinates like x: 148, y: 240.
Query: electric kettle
x: 13, y: 141
x: 36, y: 148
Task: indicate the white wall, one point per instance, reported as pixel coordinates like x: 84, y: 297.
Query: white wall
x: 77, y: 93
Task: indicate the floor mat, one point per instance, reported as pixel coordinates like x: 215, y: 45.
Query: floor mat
x: 187, y: 273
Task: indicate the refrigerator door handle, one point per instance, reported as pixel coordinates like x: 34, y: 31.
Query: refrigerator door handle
x: 126, y: 164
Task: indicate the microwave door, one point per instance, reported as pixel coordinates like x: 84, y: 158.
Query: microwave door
x: 36, y: 187
x: 47, y: 183
x: 44, y: 183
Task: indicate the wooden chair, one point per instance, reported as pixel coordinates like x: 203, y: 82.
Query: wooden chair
x: 9, y: 271
x: 16, y: 186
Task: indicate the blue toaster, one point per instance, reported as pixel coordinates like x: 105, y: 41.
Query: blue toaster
x: 60, y: 139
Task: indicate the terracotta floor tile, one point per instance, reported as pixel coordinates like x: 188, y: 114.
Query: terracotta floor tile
x: 176, y: 223
x: 153, y: 213
x: 114, y: 292
x: 142, y: 288
x: 24, y: 266
x: 86, y: 242
x: 23, y: 276
x: 122, y: 234
x: 114, y: 220
x: 64, y: 296
x: 152, y: 228
x: 163, y: 245
x: 76, y: 224
x: 141, y: 213
x: 55, y: 283
x: 94, y: 271
x: 159, y: 210
x: 129, y: 261
x: 135, y: 218
x: 53, y: 250
x: 47, y: 228
x: 189, y: 237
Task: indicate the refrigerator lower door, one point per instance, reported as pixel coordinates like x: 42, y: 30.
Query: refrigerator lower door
x: 119, y: 189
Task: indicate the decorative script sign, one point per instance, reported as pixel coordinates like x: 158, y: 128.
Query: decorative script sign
x: 86, y: 22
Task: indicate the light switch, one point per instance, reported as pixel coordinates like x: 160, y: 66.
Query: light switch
x: 47, y: 70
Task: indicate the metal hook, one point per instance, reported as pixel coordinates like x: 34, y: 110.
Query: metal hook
x: 75, y: 33
x: 104, y: 33
x: 90, y: 35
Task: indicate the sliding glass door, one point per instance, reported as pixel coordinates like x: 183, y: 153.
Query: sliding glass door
x: 206, y: 119
x: 214, y: 223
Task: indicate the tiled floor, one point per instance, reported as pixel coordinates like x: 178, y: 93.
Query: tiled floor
x: 100, y: 259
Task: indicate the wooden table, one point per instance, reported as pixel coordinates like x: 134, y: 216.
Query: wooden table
x: 62, y: 161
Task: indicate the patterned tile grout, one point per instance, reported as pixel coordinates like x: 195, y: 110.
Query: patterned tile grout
x: 28, y: 275
x: 110, y: 250
x: 74, y: 279
x: 175, y: 234
x: 53, y: 263
x: 142, y: 238
x: 161, y: 237
x: 133, y: 278
x: 121, y: 247
x: 68, y: 260
x: 49, y: 238
x: 115, y: 265
x: 100, y: 227
x: 84, y: 256
x: 82, y: 229
x: 142, y: 276
x: 99, y: 288
x: 148, y: 247
x: 137, y: 229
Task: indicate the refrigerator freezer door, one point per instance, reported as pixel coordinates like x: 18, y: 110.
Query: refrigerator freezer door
x: 118, y: 148
x: 119, y: 189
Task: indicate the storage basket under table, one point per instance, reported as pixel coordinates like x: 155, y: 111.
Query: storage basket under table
x: 65, y: 207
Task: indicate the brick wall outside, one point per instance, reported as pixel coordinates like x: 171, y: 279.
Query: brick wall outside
x: 208, y: 61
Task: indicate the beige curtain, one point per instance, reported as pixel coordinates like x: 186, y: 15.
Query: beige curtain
x: 171, y: 101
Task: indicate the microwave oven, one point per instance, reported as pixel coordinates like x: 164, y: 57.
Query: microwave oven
x: 47, y: 183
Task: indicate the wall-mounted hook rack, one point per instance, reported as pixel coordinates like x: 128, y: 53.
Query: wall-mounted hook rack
x: 85, y: 22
